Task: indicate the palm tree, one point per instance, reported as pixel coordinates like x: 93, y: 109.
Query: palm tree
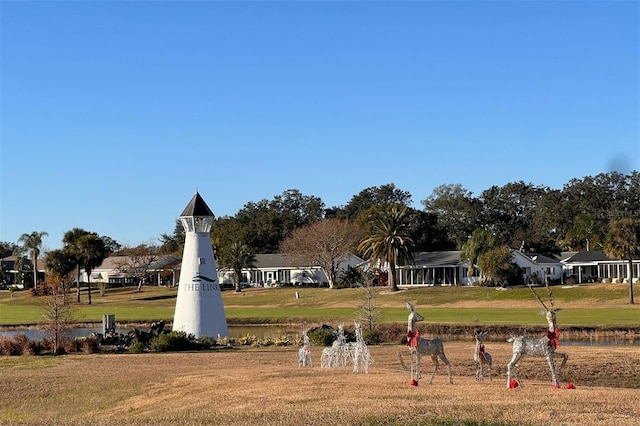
x: 71, y: 246
x: 238, y: 257
x: 92, y: 252
x: 389, y: 241
x: 31, y: 243
x: 623, y: 242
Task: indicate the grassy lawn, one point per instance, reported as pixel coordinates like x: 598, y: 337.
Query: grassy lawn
x: 255, y: 386
x: 265, y: 386
x: 588, y: 305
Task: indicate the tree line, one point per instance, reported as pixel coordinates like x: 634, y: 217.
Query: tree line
x: 386, y: 229
x: 537, y: 218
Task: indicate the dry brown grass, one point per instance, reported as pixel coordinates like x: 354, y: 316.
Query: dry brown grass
x: 266, y: 386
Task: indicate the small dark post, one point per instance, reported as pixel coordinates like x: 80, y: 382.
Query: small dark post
x: 108, y: 323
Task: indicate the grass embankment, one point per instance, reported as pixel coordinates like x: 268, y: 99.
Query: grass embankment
x: 594, y: 305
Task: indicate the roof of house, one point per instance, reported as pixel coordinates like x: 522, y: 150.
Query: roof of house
x: 114, y: 262
x: 9, y: 263
x: 277, y: 260
x: 197, y: 207
x: 437, y: 258
x: 566, y: 255
x: 166, y: 262
x: 539, y: 259
x: 588, y: 256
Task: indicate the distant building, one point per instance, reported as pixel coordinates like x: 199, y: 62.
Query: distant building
x: 596, y: 266
x: 277, y: 269
x: 12, y: 277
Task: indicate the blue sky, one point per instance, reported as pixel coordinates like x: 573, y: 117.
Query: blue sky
x: 114, y: 113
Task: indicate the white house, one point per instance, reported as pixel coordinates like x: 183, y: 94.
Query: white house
x: 275, y: 269
x: 596, y: 266
x: 434, y: 268
x: 537, y: 267
x: 446, y: 268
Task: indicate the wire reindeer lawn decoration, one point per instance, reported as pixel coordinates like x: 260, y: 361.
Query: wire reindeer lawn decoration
x: 360, y: 352
x: 304, y: 353
x: 541, y: 347
x: 419, y: 346
x: 481, y: 357
x: 339, y: 354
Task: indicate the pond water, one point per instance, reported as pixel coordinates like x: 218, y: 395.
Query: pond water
x: 274, y: 331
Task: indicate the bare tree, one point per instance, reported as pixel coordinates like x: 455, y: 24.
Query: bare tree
x: 368, y: 312
x: 57, y: 313
x: 136, y: 262
x: 325, y: 243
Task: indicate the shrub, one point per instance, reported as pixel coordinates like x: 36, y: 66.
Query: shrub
x: 47, y: 345
x: 372, y: 337
x: 136, y: 348
x: 8, y: 347
x: 69, y: 346
x: 247, y: 340
x: 27, y: 346
x: 206, y: 342
x: 283, y: 341
x: 174, y: 341
x: 32, y: 347
x: 392, y: 332
x: 321, y: 336
x: 89, y: 345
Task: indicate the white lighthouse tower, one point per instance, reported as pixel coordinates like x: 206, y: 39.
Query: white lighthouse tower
x: 199, y: 309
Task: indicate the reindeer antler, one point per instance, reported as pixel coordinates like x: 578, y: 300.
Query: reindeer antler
x: 538, y: 297
x: 549, y: 293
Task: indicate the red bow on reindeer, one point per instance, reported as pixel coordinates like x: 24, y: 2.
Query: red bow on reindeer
x: 554, y: 338
x: 481, y: 355
x: 412, y: 338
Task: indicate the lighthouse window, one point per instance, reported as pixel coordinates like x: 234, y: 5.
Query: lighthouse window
x: 201, y: 261
x: 202, y: 223
x: 187, y: 223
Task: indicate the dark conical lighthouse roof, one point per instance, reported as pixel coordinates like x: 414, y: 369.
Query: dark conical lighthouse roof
x: 197, y: 207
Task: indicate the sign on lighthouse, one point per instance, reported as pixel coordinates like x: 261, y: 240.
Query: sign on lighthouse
x: 199, y: 309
